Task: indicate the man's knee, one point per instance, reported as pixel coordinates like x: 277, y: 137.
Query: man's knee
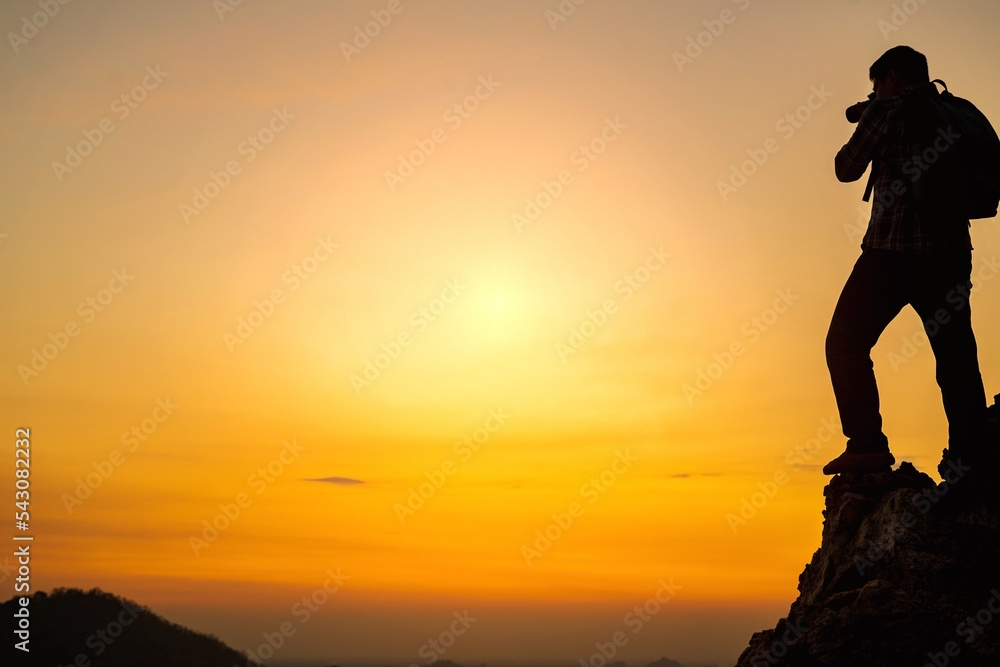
x: 844, y: 341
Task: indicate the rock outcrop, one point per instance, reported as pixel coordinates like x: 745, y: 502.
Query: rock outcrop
x: 908, y: 574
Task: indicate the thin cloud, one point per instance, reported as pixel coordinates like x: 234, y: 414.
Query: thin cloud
x: 340, y: 481
x: 685, y: 475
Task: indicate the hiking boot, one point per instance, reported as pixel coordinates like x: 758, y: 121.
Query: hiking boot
x: 981, y: 463
x: 855, y: 461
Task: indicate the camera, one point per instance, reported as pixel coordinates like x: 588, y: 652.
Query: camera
x: 854, y: 111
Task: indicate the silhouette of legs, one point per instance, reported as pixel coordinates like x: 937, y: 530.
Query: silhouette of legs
x: 881, y: 283
x: 872, y: 297
x: 943, y: 305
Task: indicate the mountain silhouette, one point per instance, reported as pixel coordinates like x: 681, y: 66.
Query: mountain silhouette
x: 907, y: 574
x: 70, y: 626
x: 665, y: 662
x: 111, y: 632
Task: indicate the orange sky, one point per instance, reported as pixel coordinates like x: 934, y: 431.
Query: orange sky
x: 490, y: 311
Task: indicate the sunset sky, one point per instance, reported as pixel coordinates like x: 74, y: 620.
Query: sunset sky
x: 506, y: 308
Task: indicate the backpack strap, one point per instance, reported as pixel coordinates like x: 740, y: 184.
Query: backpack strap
x: 871, y: 181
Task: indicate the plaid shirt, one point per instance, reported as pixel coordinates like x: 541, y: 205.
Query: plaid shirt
x: 896, y: 223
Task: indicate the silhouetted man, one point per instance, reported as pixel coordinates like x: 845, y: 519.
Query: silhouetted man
x: 917, y: 251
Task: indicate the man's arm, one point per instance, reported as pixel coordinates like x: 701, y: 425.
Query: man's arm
x: 852, y: 160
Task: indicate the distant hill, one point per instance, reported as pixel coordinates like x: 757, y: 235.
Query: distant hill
x: 111, y: 632
x: 665, y: 662
x: 72, y: 627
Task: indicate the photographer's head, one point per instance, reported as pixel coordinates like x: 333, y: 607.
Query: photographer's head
x: 897, y: 68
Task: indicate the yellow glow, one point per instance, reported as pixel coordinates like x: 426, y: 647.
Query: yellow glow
x: 453, y: 379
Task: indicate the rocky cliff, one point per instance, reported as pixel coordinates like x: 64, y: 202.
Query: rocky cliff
x: 908, y: 574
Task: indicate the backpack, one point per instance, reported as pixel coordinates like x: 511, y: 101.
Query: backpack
x: 955, y: 165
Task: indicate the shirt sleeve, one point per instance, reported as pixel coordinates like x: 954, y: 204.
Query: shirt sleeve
x: 864, y: 145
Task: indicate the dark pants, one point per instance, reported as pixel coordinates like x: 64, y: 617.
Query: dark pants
x: 937, y: 286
